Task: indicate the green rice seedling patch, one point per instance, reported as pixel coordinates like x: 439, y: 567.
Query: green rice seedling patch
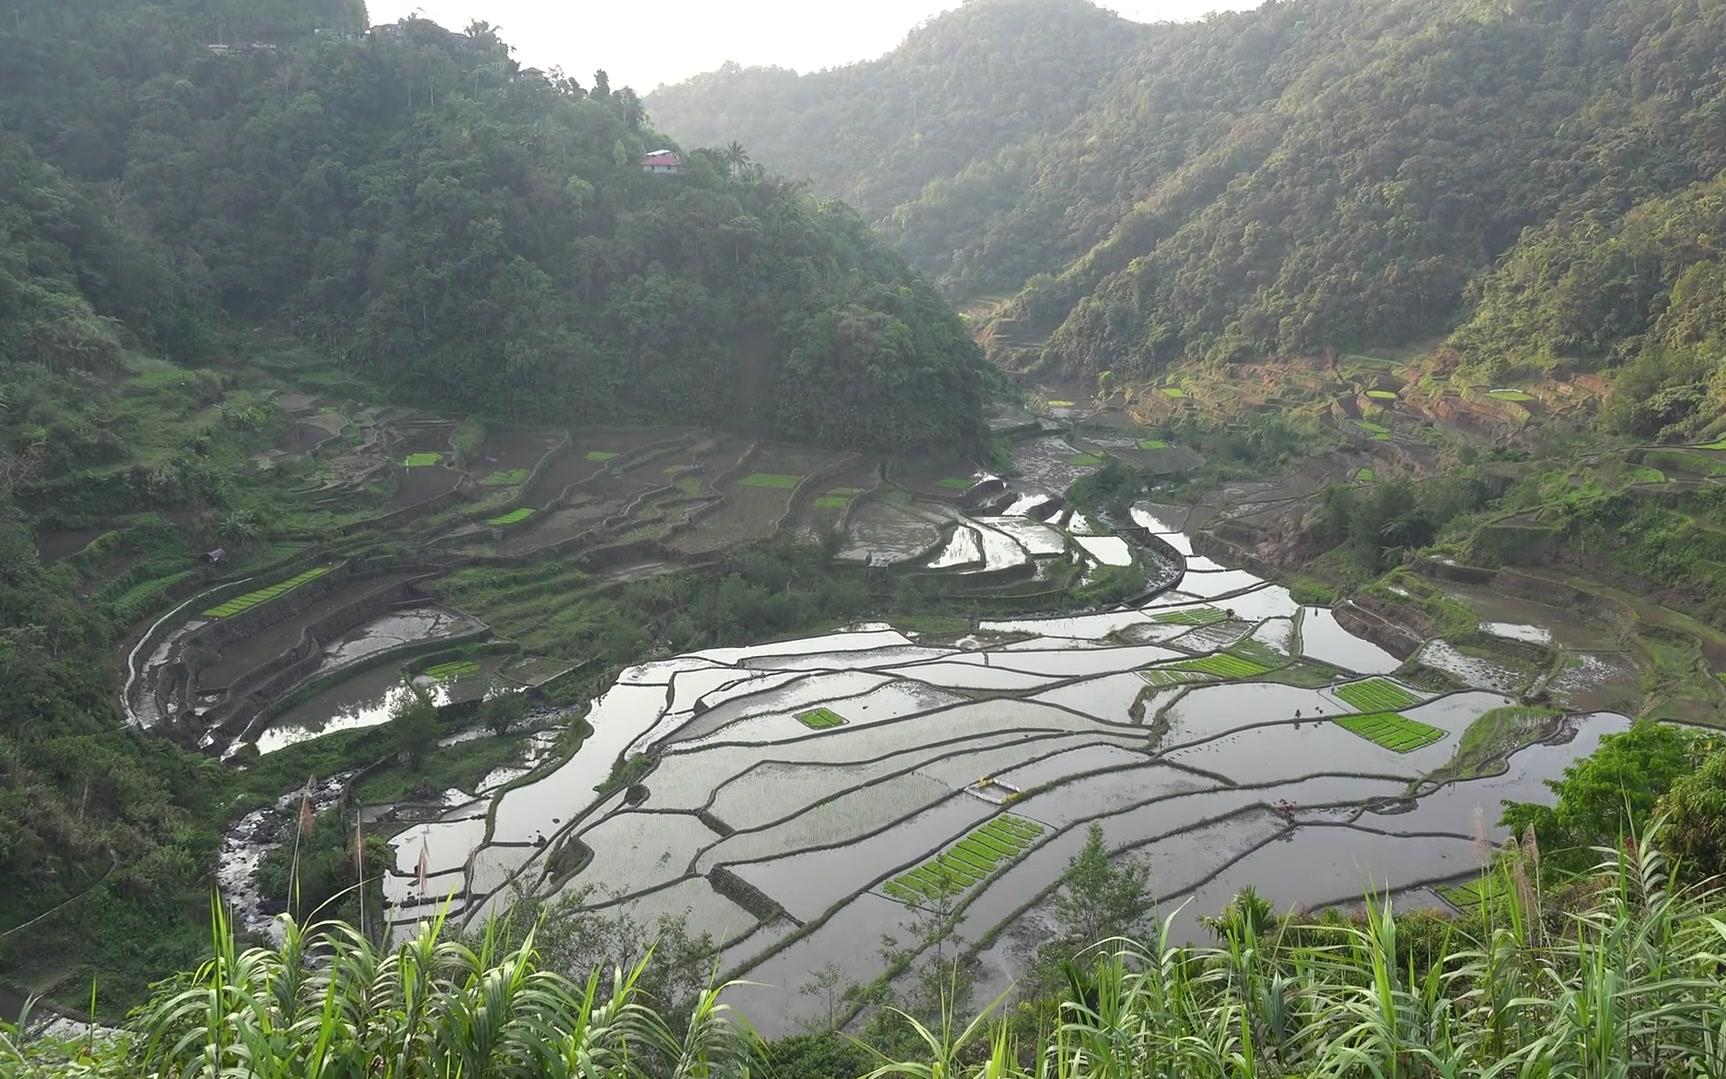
x: 423, y: 459
x: 246, y: 602
x: 1060, y: 404
x: 507, y: 477
x: 1164, y: 677
x: 770, y: 479
x: 1717, y: 444
x: 1365, y: 475
x: 837, y: 498
x: 820, y: 719
x: 1392, y: 730
x: 1382, y: 395
x: 1223, y: 665
x: 1193, y: 616
x: 1086, y: 459
x: 1174, y: 391
x: 1153, y: 443
x: 1376, y: 695
x: 955, y: 483
x: 971, y: 859
x: 1468, y: 896
x: 515, y: 516
x: 602, y: 455
x: 1644, y: 474
x: 1509, y: 395
x: 1378, y: 431
x: 452, y: 669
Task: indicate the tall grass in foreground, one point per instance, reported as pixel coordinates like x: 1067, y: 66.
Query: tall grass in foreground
x: 1625, y: 977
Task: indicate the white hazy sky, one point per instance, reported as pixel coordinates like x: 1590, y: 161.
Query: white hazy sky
x: 642, y: 43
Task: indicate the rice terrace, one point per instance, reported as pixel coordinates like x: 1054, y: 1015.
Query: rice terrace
x: 1202, y: 544
x: 799, y: 799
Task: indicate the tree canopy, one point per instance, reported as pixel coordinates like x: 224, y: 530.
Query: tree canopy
x: 475, y: 234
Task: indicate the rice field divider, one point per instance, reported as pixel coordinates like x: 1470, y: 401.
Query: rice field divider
x: 973, y: 858
x: 1375, y: 695
x: 246, y: 601
x: 1392, y: 730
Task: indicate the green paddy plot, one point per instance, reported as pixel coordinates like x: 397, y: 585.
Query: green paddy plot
x: 249, y: 600
x: 1364, y: 475
x: 1643, y: 474
x: 819, y: 719
x: 776, y: 480
x: 837, y: 498
x: 955, y: 483
x: 1487, y: 889
x: 452, y: 669
x: 1087, y: 459
x: 1378, y: 431
x: 1392, y: 730
x: 508, y: 477
x: 1382, y: 395
x: 1376, y: 695
x: 1153, y: 443
x: 424, y: 459
x: 966, y: 862
x: 1060, y: 404
x: 1223, y: 665
x: 1717, y: 444
x: 1509, y: 395
x: 515, y: 516
x: 1192, y: 616
x: 1174, y: 391
x: 602, y: 455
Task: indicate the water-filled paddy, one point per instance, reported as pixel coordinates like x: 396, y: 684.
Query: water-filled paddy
x: 1221, y: 777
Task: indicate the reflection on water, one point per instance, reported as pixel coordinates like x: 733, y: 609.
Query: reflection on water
x: 834, y: 762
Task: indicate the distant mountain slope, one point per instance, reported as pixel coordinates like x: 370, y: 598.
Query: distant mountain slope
x: 989, y: 75
x: 1316, y: 174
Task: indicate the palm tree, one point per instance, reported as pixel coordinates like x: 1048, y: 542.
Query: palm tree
x: 736, y: 157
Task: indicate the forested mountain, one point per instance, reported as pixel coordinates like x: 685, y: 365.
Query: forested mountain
x: 478, y: 235
x: 988, y: 76
x: 1326, y: 173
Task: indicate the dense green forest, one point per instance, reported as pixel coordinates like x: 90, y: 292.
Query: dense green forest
x: 475, y: 235
x: 1540, y: 178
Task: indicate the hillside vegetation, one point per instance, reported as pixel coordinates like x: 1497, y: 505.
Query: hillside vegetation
x: 1540, y: 177
x: 474, y: 235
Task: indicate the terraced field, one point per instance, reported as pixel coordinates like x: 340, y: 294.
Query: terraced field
x: 1392, y: 730
x: 1376, y: 695
x: 248, y: 600
x: 966, y: 773
x: 966, y: 862
x: 820, y: 718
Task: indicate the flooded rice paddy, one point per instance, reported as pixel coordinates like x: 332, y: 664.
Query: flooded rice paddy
x: 777, y: 834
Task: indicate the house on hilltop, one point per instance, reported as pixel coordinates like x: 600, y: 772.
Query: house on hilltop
x: 661, y: 161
